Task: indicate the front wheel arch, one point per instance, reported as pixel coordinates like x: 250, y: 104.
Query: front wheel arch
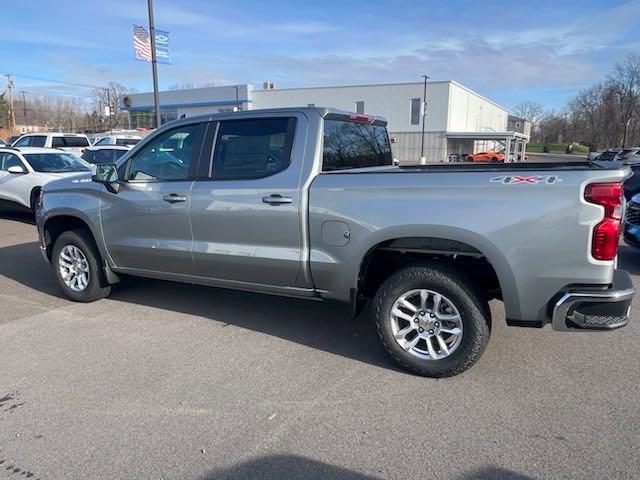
x: 33, y: 197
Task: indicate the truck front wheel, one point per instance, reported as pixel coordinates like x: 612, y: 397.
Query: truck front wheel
x: 431, y: 321
x: 76, y: 262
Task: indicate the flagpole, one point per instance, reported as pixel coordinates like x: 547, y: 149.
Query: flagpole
x: 154, y: 63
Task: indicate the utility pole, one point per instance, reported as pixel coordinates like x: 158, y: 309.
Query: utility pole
x: 154, y: 63
x: 423, y: 160
x: 24, y: 109
x: 12, y: 116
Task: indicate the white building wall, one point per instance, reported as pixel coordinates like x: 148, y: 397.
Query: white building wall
x: 392, y: 101
x: 470, y: 112
x: 189, y: 100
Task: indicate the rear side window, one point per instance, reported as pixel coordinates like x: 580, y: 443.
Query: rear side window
x: 57, y: 142
x: 354, y: 145
x: 255, y: 148
x: 38, y: 141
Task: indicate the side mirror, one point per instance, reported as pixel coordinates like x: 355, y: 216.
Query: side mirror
x: 17, y: 169
x: 107, y: 174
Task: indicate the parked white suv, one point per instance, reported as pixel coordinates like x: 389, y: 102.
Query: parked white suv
x: 123, y: 140
x: 24, y: 171
x: 70, y: 142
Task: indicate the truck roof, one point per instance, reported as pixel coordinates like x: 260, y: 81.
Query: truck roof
x: 322, y: 111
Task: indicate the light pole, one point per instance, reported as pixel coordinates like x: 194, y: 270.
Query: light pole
x: 423, y: 160
x: 154, y: 64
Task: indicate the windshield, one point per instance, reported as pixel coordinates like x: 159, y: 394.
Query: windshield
x: 127, y: 141
x: 56, y: 162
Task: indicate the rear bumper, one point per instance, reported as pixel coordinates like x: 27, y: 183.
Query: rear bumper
x: 588, y: 308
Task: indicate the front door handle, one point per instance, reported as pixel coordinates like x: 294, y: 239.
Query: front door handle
x: 174, y: 198
x: 276, y: 199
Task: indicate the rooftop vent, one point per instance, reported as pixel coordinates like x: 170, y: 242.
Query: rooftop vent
x: 269, y: 86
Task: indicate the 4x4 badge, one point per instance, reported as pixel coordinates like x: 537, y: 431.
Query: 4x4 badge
x: 515, y: 179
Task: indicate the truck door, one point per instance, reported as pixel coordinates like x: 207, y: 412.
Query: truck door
x: 146, y: 223
x: 246, y: 213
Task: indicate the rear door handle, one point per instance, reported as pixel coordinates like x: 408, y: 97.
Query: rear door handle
x: 174, y: 198
x: 276, y: 199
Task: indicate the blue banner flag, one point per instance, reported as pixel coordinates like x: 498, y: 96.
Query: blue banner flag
x: 162, y: 47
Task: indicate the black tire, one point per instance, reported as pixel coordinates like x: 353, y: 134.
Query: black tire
x: 473, y: 308
x: 494, y: 159
x: 97, y: 286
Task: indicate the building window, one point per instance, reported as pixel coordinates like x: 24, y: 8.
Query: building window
x: 415, y: 111
x: 360, y: 106
x: 146, y: 118
x: 312, y: 105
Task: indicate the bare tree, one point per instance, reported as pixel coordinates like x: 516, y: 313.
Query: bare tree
x: 107, y: 103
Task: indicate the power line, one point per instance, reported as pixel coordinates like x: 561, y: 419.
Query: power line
x: 52, y: 80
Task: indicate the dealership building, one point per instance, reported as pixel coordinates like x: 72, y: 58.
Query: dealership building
x: 459, y: 121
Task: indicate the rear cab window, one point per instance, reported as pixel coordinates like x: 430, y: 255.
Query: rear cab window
x: 75, y: 142
x: 127, y: 141
x: 354, y: 144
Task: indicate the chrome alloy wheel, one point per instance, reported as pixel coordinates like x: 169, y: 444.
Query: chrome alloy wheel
x: 74, y: 268
x: 426, y: 324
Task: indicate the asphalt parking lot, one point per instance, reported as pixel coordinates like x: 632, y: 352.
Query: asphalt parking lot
x: 171, y: 381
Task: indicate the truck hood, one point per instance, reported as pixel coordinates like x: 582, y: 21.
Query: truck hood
x: 64, y: 181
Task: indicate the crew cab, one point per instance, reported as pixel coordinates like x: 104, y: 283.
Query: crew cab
x: 70, y: 142
x: 306, y: 203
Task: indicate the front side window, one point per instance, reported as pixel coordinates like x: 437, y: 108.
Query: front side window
x: 170, y: 156
x: 8, y: 160
x: 255, y: 148
x: 103, y: 141
x: 23, y: 142
x: 354, y: 145
x: 56, y: 162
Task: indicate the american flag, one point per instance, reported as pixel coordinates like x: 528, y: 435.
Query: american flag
x: 142, y: 43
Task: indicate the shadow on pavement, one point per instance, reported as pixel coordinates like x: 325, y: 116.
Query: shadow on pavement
x: 629, y: 259
x: 323, y: 325
x: 16, y: 213
x: 293, y: 467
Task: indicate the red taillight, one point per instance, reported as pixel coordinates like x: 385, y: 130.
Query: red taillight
x: 360, y: 118
x: 604, y: 245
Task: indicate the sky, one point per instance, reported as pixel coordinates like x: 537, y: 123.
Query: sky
x: 543, y: 51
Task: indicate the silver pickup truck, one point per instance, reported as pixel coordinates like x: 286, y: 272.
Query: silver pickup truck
x: 305, y: 202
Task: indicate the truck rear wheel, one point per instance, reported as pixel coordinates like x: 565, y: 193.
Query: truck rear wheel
x: 76, y: 262
x: 431, y: 321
